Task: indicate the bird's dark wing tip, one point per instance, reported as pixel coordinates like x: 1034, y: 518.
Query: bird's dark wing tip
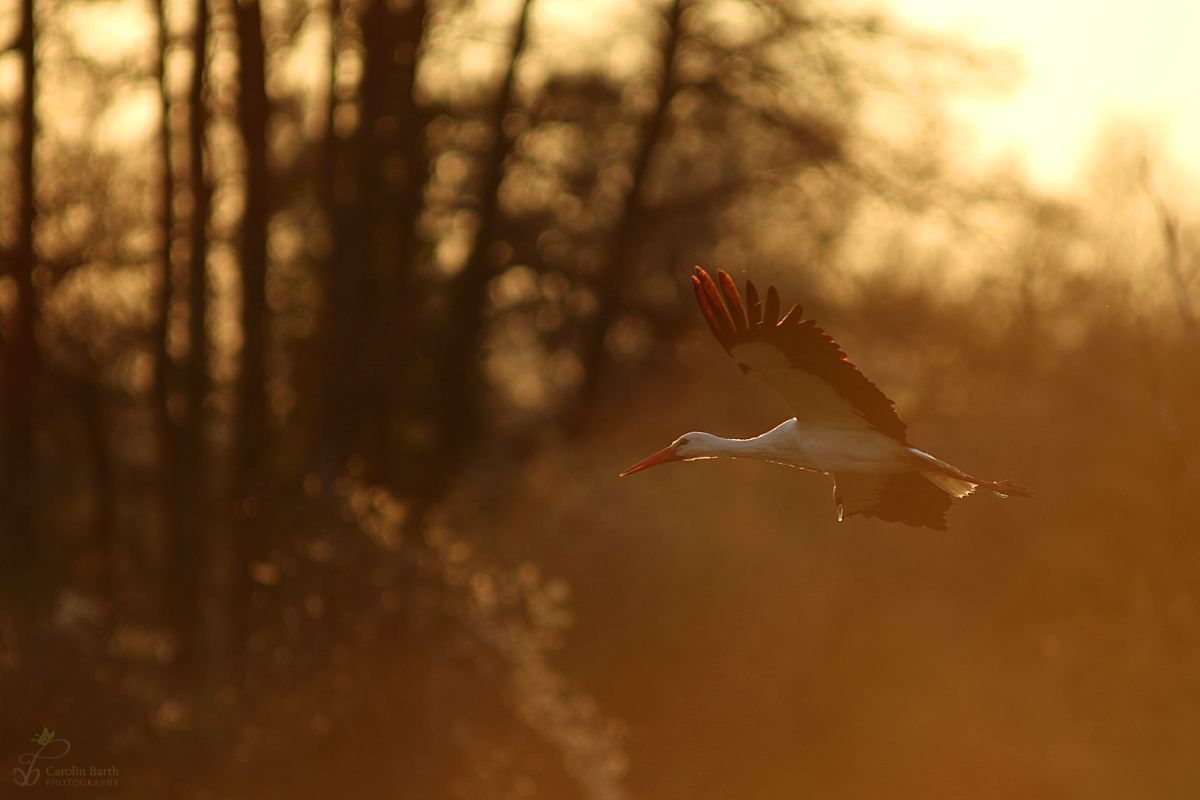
x: 911, y: 499
x: 716, y: 310
x: 706, y: 309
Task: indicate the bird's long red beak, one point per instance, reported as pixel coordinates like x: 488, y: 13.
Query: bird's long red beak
x: 661, y: 457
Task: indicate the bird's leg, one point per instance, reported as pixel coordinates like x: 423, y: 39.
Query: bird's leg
x: 1004, y: 488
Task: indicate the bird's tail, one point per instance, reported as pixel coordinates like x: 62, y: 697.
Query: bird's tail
x: 960, y: 484
x: 955, y: 486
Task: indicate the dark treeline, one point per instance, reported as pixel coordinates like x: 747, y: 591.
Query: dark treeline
x: 372, y: 283
x: 270, y: 365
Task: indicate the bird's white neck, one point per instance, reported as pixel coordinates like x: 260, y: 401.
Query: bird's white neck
x: 780, y: 444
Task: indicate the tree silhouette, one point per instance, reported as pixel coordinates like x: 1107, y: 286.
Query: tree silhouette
x: 20, y: 349
x: 315, y: 376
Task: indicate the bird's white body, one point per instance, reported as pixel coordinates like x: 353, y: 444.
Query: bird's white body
x: 819, y: 449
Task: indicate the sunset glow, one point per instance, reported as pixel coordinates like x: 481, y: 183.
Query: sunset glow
x: 1087, y: 63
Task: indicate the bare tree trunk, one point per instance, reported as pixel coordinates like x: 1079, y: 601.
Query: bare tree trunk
x: 374, y: 193
x: 20, y: 349
x: 458, y: 412
x: 413, y: 176
x: 345, y: 282
x: 88, y: 394
x: 251, y: 455
x: 394, y: 177
x: 626, y: 235
x: 167, y: 430
x: 191, y: 478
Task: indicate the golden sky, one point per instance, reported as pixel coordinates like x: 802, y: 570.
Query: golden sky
x: 1088, y: 62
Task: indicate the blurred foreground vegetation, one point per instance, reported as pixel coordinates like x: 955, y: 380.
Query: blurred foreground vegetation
x: 321, y: 354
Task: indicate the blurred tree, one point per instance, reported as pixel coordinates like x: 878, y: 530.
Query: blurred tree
x: 18, y: 342
x: 725, y: 124
x: 165, y: 392
x: 188, y: 467
x: 459, y: 384
x: 251, y: 486
x: 621, y: 257
x: 373, y: 192
x: 442, y: 272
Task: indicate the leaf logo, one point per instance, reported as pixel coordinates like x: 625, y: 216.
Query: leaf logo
x: 30, y: 776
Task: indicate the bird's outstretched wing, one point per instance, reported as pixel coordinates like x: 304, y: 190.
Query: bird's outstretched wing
x: 796, y: 358
x: 906, y: 497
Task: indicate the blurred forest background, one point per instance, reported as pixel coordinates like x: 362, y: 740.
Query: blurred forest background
x: 326, y: 327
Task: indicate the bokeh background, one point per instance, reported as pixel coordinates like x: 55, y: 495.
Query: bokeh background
x: 326, y: 328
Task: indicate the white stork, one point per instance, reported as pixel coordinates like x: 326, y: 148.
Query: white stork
x: 844, y: 425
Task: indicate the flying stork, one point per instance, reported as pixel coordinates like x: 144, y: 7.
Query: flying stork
x: 844, y: 425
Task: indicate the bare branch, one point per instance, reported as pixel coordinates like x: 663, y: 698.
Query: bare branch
x: 1170, y: 233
